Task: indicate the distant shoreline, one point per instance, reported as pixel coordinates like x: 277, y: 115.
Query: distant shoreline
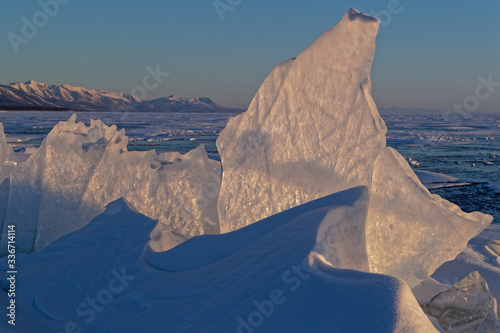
x: 31, y: 108
x: 48, y: 109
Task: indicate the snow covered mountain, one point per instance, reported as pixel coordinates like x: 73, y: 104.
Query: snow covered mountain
x: 36, y: 95
x: 12, y: 98
x: 177, y: 104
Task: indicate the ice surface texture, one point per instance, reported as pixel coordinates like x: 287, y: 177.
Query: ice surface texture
x: 409, y: 231
x: 7, y: 163
x: 313, y: 129
x: 79, y: 169
x: 7, y: 157
x: 468, y: 306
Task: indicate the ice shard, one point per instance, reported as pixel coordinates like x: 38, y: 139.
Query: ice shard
x: 313, y: 129
x: 7, y: 157
x: 8, y: 162
x: 409, y: 231
x: 80, y: 169
x: 465, y: 307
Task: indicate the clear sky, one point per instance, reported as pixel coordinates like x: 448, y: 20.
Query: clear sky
x: 430, y: 54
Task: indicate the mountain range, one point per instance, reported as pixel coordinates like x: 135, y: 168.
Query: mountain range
x: 33, y: 95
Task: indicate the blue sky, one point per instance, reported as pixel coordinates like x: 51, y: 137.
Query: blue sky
x: 430, y: 54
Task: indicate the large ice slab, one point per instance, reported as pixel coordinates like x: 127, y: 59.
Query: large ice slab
x: 312, y: 128
x: 79, y: 169
x: 409, y: 231
x: 8, y: 162
x: 7, y: 157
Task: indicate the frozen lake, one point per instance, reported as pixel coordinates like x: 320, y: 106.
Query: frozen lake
x: 467, y: 148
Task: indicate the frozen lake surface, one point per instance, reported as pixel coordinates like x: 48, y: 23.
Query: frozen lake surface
x: 467, y: 148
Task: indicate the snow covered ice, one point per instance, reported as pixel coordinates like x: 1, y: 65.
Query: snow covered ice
x: 79, y: 169
x: 266, y: 277
x: 313, y: 129
x: 316, y: 226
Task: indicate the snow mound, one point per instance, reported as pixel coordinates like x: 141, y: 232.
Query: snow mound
x: 313, y: 129
x: 340, y: 237
x: 276, y: 280
x: 79, y: 169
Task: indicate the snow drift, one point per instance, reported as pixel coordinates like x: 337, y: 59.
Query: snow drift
x: 79, y: 169
x: 271, y: 276
x: 313, y: 129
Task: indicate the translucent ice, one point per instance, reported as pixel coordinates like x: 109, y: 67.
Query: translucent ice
x: 7, y: 164
x: 312, y: 128
x: 464, y: 307
x: 7, y: 157
x: 409, y: 231
x: 79, y: 169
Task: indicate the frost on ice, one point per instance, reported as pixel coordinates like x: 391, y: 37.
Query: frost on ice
x: 79, y: 169
x: 313, y: 129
